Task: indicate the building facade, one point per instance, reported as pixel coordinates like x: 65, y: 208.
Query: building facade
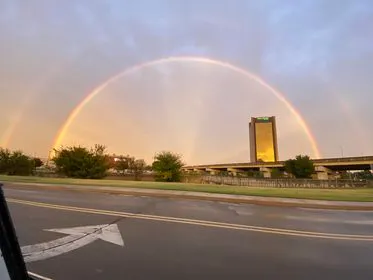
x: 263, y: 139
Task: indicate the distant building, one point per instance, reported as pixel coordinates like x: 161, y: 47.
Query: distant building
x: 263, y: 139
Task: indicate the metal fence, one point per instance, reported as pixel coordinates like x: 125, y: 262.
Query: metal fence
x: 284, y: 183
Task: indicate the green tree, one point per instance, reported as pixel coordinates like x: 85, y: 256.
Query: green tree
x: 148, y: 168
x: 167, y: 167
x: 346, y: 175
x: 5, y: 155
x: 38, y: 162
x: 276, y: 173
x: 300, y: 167
x: 80, y: 162
x: 122, y: 164
x: 364, y: 175
x: 138, y: 167
x: 254, y: 174
x: 131, y: 164
x: 15, y: 163
x: 20, y: 164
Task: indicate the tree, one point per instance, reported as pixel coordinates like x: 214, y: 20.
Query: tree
x: 122, y: 164
x: 4, y: 160
x: 167, y: 167
x: 15, y: 163
x: 138, y: 167
x: 131, y: 163
x: 20, y: 164
x: 38, y: 162
x: 148, y: 168
x: 254, y: 174
x: 364, y: 175
x: 300, y: 167
x: 276, y: 173
x: 80, y: 162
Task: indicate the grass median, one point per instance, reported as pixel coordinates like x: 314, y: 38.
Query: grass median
x: 358, y: 195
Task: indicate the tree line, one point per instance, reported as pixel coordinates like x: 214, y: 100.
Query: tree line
x: 94, y: 163
x: 17, y: 163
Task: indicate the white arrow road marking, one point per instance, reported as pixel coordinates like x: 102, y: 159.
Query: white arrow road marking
x: 37, y: 276
x: 77, y: 237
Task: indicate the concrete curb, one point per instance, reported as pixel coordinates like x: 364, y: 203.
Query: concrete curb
x: 257, y: 200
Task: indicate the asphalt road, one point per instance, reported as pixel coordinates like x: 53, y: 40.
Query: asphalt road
x: 187, y: 239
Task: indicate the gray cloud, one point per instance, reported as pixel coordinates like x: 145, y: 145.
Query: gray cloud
x: 319, y: 53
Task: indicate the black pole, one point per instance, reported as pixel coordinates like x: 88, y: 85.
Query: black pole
x: 9, y: 243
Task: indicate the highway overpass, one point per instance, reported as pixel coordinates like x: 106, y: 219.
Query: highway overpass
x: 324, y: 167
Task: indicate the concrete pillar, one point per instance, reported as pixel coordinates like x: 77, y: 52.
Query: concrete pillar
x: 266, y: 172
x: 322, y: 173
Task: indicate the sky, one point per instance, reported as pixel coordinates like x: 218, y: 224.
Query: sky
x: 318, y: 54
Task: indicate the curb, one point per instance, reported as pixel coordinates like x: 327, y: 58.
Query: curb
x: 260, y: 200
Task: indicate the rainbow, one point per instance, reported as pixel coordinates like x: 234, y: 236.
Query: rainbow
x: 280, y: 96
x: 19, y: 114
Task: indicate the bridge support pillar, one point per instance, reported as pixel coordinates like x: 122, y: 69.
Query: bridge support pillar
x: 322, y: 173
x: 266, y: 172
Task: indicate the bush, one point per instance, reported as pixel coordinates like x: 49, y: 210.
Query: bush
x: 167, y: 167
x: 38, y: 162
x: 15, y: 163
x: 300, y: 167
x: 276, y: 173
x: 80, y: 162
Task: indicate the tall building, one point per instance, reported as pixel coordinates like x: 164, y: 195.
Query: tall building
x: 263, y: 139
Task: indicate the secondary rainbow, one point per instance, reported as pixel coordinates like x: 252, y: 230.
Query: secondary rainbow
x: 280, y: 96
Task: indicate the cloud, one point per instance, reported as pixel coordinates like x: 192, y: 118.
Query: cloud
x: 318, y: 53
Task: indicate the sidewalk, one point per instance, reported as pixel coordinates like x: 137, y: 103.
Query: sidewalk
x: 258, y: 200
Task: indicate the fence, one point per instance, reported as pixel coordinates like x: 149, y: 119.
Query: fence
x: 284, y: 183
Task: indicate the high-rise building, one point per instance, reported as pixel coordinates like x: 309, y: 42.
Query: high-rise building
x: 263, y: 139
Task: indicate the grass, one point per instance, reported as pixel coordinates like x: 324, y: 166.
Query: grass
x: 359, y: 195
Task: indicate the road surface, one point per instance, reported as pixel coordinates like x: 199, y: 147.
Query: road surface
x: 189, y: 239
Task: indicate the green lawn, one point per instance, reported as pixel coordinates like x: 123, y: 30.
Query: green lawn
x: 364, y: 194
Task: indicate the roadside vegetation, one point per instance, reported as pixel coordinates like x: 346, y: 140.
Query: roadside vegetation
x: 76, y: 165
x: 92, y: 163
x: 300, y: 167
x: 167, y: 167
x: 363, y: 194
x: 80, y: 162
x: 17, y: 163
x: 95, y: 163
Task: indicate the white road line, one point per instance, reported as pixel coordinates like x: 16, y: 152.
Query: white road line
x: 37, y: 276
x: 325, y: 220
x: 335, y: 210
x: 278, y: 231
